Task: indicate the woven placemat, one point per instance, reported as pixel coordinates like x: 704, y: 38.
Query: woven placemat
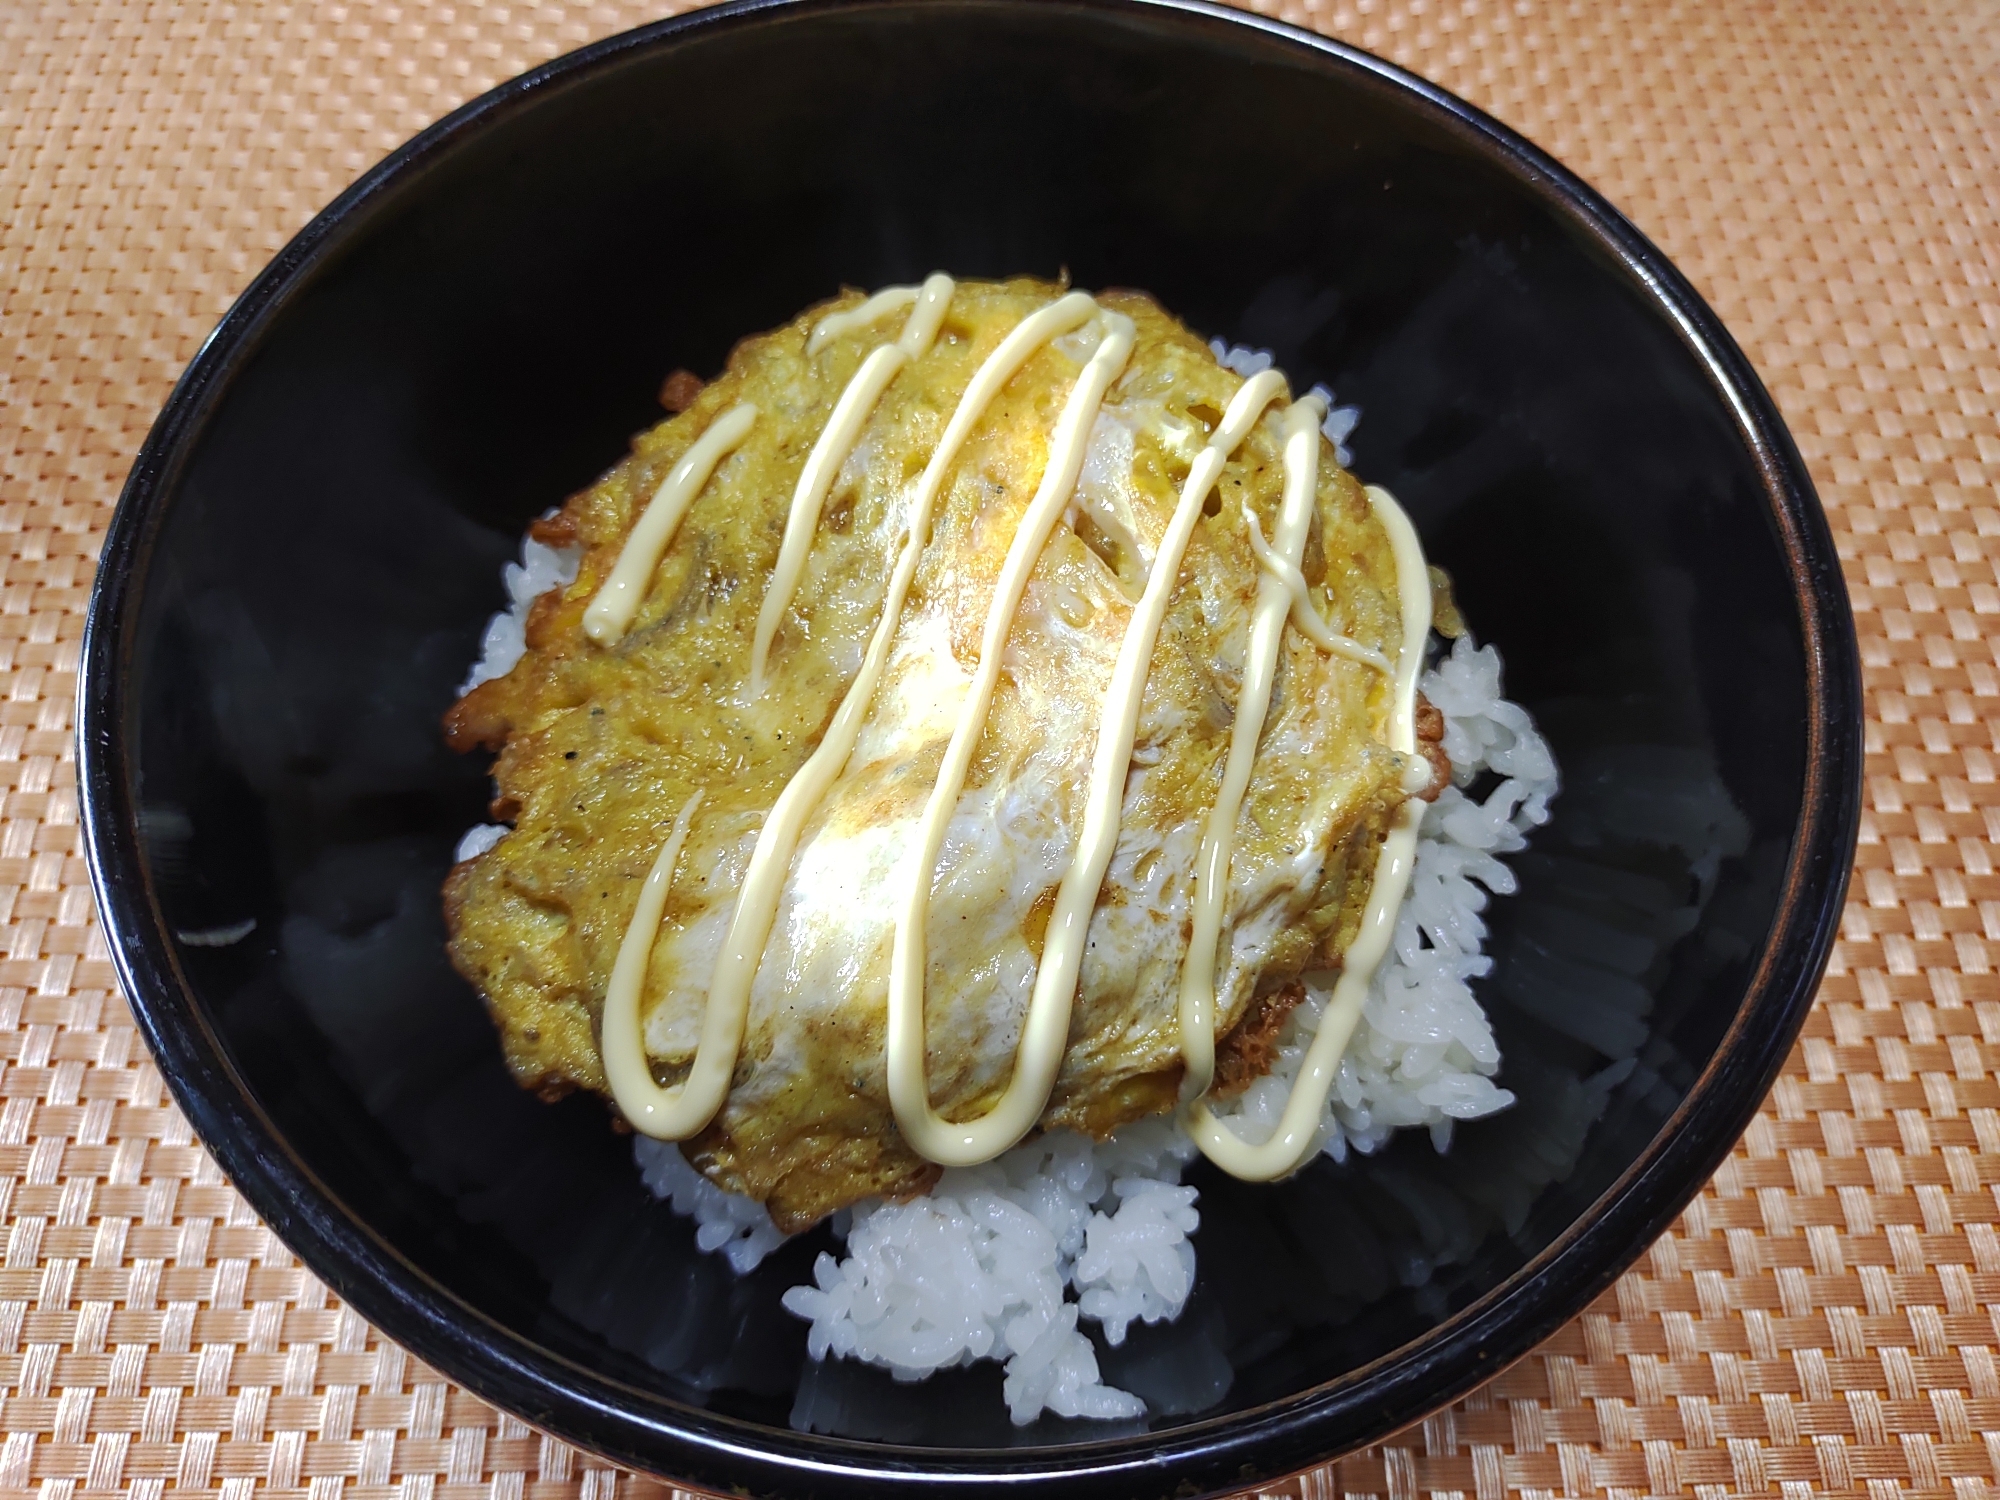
x: 1820, y: 1320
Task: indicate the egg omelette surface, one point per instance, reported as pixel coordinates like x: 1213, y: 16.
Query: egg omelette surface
x: 600, y: 747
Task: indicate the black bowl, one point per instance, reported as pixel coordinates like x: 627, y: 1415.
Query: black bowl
x: 301, y: 562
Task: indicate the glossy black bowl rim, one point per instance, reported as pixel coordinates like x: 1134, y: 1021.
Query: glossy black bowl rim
x: 641, y: 1428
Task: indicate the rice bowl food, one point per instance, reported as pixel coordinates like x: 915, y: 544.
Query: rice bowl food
x: 982, y: 752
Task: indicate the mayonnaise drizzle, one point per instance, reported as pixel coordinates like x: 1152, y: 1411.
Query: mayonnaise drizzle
x: 640, y: 1099
x: 763, y: 879
x: 682, y: 1111
x: 836, y: 441
x: 1042, y: 1044
x: 865, y: 315
x: 1285, y: 569
x: 1297, y: 1132
x: 1045, y: 1030
x: 1253, y: 705
x: 610, y: 613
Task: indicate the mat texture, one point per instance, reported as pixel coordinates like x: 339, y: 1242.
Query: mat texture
x: 1821, y: 1320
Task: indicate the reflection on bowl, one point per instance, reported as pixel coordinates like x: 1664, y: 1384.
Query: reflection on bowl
x: 311, y: 542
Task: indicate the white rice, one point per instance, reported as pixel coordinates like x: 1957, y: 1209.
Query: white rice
x: 506, y: 642
x: 739, y: 1227
x: 982, y: 1268
x: 1005, y: 1261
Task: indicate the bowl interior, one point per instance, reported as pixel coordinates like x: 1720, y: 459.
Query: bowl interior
x: 479, y: 334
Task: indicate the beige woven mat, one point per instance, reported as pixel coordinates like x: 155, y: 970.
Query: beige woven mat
x: 1821, y: 1319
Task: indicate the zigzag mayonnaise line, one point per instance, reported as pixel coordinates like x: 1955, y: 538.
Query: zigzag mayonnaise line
x: 642, y: 1101
x: 680, y: 1115
x: 1253, y: 705
x: 865, y: 315
x: 1046, y: 1029
x: 610, y: 613
x: 1297, y: 1133
x: 683, y: 1110
x: 836, y: 441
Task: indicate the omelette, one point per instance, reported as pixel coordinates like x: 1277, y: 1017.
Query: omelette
x: 972, y: 712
